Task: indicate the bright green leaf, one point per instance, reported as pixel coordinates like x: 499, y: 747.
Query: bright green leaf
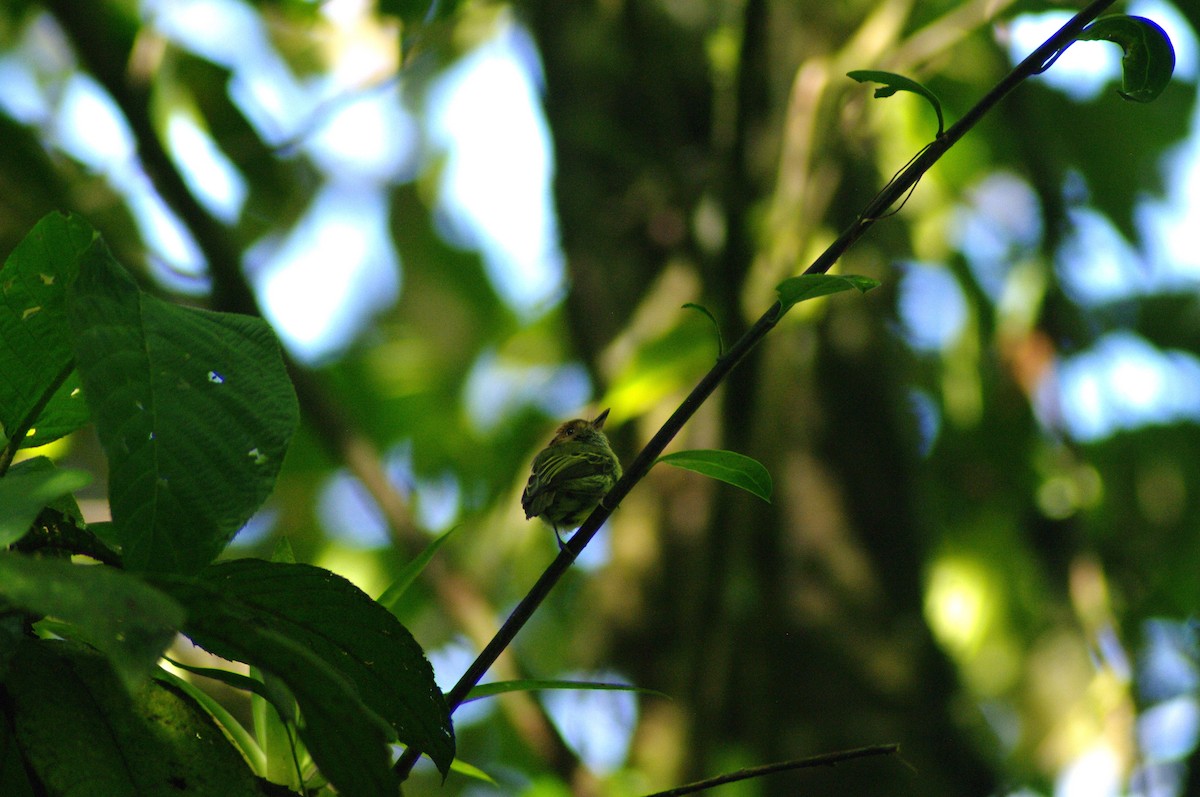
x: 727, y: 466
x: 194, y: 410
x: 470, y: 771
x: 80, y: 733
x: 120, y: 615
x: 493, y: 688
x: 1149, y: 59
x: 699, y: 308
x: 35, y: 335
x: 811, y: 286
x: 27, y: 488
x: 893, y: 83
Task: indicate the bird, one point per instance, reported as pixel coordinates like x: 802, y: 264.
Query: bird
x: 571, y: 475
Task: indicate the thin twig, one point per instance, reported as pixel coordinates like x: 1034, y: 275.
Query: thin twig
x: 823, y: 760
x: 649, y: 455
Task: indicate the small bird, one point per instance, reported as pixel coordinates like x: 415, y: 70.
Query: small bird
x: 571, y: 475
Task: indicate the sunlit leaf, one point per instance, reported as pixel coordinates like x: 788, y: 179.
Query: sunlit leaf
x: 893, y: 82
x: 699, y: 308
x: 470, y: 771
x: 727, y: 466
x: 1149, y: 59
x: 812, y: 286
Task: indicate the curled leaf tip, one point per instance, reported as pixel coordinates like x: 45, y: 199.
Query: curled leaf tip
x: 1149, y: 57
x: 893, y: 82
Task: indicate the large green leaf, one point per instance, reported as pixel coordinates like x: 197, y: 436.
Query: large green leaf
x: 35, y: 337
x: 357, y: 675
x: 81, y: 734
x: 727, y: 466
x: 122, y: 616
x: 194, y: 409
x: 353, y: 634
x: 29, y: 486
x: 347, y: 740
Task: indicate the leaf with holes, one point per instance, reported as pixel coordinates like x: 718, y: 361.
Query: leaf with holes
x: 194, y: 410
x: 38, y: 393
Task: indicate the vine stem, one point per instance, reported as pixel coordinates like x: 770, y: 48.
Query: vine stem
x: 1033, y: 64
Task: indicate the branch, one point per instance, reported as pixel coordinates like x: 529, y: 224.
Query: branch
x: 645, y: 460
x: 824, y: 760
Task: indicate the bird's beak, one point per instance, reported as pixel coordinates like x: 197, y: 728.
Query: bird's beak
x: 599, y: 422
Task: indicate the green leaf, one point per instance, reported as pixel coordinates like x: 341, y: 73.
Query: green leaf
x: 237, y: 733
x: 390, y: 599
x: 80, y: 733
x: 120, y: 615
x: 471, y: 771
x: 35, y: 336
x: 280, y: 699
x: 27, y: 488
x: 493, y: 688
x: 699, y: 308
x: 343, y: 629
x: 727, y: 466
x: 194, y: 410
x: 14, y: 780
x: 347, y: 740
x: 794, y: 290
x: 893, y: 83
x: 1149, y: 59
x: 234, y: 680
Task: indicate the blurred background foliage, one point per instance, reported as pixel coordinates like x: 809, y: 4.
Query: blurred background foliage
x: 470, y: 220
